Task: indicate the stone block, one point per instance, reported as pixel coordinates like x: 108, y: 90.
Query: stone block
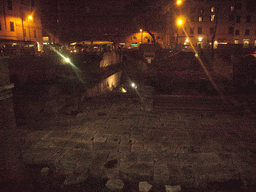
x: 112, y: 173
x: 169, y: 188
x: 215, y: 173
x: 125, y: 139
x: 73, y: 155
x: 145, y: 157
x: 137, y: 147
x: 99, y: 139
x: 141, y: 170
x: 75, y: 178
x: 106, y: 146
x: 45, y: 171
x: 125, y: 148
x: 144, y: 186
x: 42, y: 155
x: 65, y: 167
x: 152, y: 147
x: 60, y: 135
x: 204, y: 159
x: 175, y: 173
x: 86, y: 146
x: 114, y: 139
x: 161, y: 172
x: 115, y: 184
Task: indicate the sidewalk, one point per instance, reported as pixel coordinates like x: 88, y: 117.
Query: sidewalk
x: 114, y: 139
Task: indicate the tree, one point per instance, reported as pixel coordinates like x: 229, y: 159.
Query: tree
x: 147, y: 14
x: 216, y: 21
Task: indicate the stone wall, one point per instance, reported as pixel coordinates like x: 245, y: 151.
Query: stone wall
x: 106, y: 85
x: 110, y: 58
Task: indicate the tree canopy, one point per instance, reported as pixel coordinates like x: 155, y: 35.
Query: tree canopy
x: 147, y: 15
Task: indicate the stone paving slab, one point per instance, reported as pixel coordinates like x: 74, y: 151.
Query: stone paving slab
x: 175, y: 148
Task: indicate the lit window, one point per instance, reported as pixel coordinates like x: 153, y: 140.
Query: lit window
x: 212, y: 17
x: 232, y: 8
x: 200, y: 18
x: 12, y: 26
x: 246, y: 42
x: 247, y: 32
x: 212, y: 9
x: 236, y: 41
x: 237, y: 32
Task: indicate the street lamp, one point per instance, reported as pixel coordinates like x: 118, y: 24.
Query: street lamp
x: 180, y: 24
x: 141, y: 31
x: 178, y: 2
x: 29, y: 19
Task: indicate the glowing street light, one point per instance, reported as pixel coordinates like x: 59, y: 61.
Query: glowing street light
x: 141, y: 31
x: 67, y: 60
x: 179, y: 22
x: 29, y: 19
x: 179, y: 2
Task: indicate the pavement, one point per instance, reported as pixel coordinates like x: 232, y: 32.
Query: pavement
x: 185, y: 141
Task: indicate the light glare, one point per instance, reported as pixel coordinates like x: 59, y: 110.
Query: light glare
x: 179, y: 2
x: 67, y: 60
x: 123, y: 90
x: 179, y: 22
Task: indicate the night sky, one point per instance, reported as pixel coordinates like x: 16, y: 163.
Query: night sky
x: 77, y: 20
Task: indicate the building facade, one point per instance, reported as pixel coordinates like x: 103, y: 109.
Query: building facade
x: 134, y: 40
x: 218, y: 21
x: 20, y: 20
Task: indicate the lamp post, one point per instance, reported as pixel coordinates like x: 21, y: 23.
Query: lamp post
x: 29, y: 19
x: 180, y: 24
x: 141, y: 38
x: 178, y: 2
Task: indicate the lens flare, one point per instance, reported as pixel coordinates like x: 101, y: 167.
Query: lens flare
x: 203, y: 66
x: 75, y: 69
x: 67, y: 60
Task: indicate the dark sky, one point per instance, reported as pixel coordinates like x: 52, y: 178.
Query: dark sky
x: 79, y: 19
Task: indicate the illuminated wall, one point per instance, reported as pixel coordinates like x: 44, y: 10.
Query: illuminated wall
x: 106, y: 85
x: 135, y: 39
x: 16, y: 23
x: 236, y: 22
